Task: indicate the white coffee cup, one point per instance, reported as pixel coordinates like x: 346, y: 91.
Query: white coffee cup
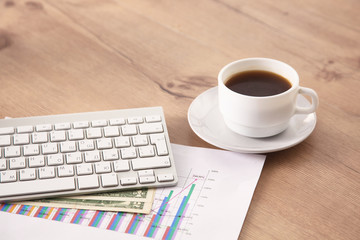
x: 261, y: 116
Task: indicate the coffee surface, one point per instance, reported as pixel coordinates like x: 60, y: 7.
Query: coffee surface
x: 258, y: 83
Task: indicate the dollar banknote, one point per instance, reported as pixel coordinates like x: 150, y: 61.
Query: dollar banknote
x: 134, y: 201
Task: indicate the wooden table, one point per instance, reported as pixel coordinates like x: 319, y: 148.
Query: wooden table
x: 89, y: 55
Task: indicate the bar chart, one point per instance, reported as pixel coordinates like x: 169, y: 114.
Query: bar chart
x: 168, y: 219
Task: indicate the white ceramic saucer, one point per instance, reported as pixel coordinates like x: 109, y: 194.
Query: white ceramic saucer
x: 206, y: 121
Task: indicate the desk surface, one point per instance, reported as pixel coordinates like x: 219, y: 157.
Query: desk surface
x: 89, y: 55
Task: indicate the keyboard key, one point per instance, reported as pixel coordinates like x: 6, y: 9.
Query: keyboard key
x: 122, y: 142
x: 99, y: 123
x: 165, y: 177
x: 7, y: 130
x: 13, y: 151
x: 40, y: 137
x: 21, y: 139
x: 93, y: 133
x: 81, y: 124
x: 25, y: 129
x: 3, y: 164
x: 111, y: 154
x: 128, y: 130
x: 57, y: 136
x: 62, y: 126
x: 140, y: 140
x: 17, y: 163
x: 27, y: 174
x: 104, y: 143
x: 7, y: 176
x: 157, y: 137
x: 4, y: 141
x: 111, y: 131
x: 76, y: 134
x: 28, y: 187
x: 37, y: 161
x: 161, y: 148
x: 65, y: 171
x: 31, y: 150
x: 148, y: 163
x: 84, y: 169
x: 102, y: 167
x: 146, y: 173
x: 153, y: 118
x: 148, y: 179
x: 66, y: 147
x: 43, y: 127
x: 85, y: 145
x: 109, y: 180
x: 88, y: 182
x: 55, y: 159
x: 146, y: 151
x: 147, y: 128
x: 127, y: 153
x: 93, y: 156
x: 133, y: 120
x: 117, y: 121
x: 46, y: 172
x: 48, y: 148
x: 121, y: 165
x: 72, y: 158
x: 128, y: 181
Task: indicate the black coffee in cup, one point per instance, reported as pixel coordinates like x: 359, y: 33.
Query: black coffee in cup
x: 258, y: 83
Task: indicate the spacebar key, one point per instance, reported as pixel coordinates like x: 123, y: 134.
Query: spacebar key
x: 38, y: 186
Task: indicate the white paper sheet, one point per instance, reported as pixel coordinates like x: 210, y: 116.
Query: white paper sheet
x: 214, y: 193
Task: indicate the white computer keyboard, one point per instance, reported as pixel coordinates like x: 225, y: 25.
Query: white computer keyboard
x: 84, y: 153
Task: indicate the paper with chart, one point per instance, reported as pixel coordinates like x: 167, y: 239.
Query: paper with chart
x: 214, y: 192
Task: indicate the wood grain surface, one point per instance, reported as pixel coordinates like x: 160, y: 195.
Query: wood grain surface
x: 89, y: 55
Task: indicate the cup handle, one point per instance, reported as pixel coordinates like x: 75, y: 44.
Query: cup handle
x: 314, y: 101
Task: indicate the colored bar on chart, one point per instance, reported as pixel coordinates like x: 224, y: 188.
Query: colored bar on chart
x: 181, y: 219
x: 179, y: 214
x: 158, y: 216
x: 149, y: 226
x: 5, y: 207
x: 79, y: 216
x: 30, y: 210
x: 166, y: 233
x: 24, y: 210
x: 159, y: 223
x: 60, y: 214
x: 48, y: 214
x: 56, y: 214
x: 40, y: 209
x: 134, y: 223
x: 20, y: 209
x: 130, y: 223
x: 76, y: 217
x: 12, y: 208
x: 137, y: 223
x: 97, y: 219
x: 114, y: 223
